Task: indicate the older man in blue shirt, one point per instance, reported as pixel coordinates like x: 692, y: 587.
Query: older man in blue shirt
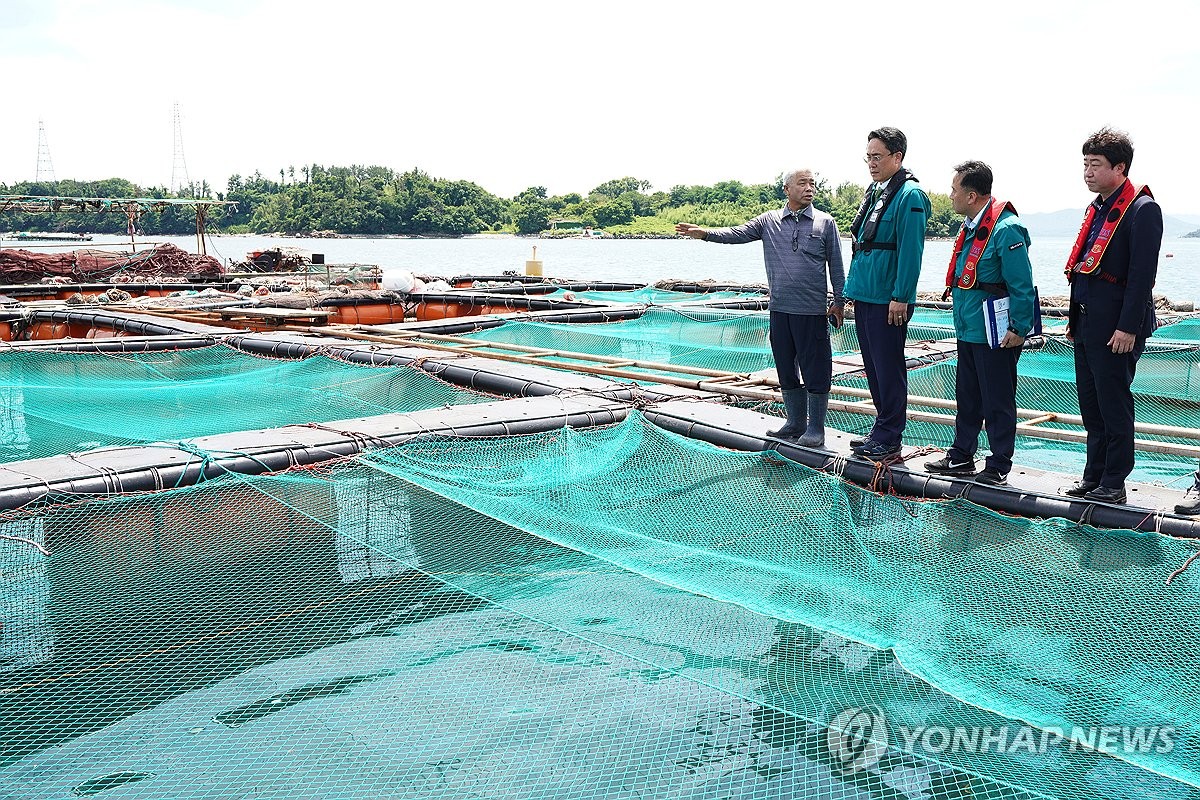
x: 803, y: 258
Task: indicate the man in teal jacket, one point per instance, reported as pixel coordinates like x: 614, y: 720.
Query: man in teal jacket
x: 888, y: 242
x: 990, y: 260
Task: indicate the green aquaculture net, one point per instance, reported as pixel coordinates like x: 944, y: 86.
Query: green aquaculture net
x: 604, y: 613
x: 1166, y: 392
x: 1167, y: 388
x: 60, y: 402
x: 734, y: 341
x: 1184, y: 330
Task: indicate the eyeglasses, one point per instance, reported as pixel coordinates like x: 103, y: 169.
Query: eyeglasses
x: 875, y: 158
x: 796, y: 239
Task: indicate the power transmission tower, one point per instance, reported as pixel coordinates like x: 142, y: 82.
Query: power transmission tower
x: 45, y: 167
x: 179, y: 173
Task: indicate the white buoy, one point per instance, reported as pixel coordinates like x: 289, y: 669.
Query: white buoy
x: 398, y: 280
x: 533, y: 266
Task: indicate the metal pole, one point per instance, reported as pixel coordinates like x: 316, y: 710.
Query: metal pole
x: 131, y: 215
x: 201, y: 213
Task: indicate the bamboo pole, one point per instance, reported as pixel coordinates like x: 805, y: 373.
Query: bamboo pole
x: 770, y: 395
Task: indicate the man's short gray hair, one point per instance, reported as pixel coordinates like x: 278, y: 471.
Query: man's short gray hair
x: 788, y: 176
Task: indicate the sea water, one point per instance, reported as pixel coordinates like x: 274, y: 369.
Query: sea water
x: 651, y: 260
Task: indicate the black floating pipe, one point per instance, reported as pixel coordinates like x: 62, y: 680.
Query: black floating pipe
x: 570, y: 285
x: 739, y: 305
x: 130, y: 323
x: 520, y: 288
x: 120, y: 344
x: 548, y: 288
x: 484, y: 298
x: 919, y: 484
x: 583, y: 315
x: 535, y: 382
x: 701, y: 288
x: 52, y: 290
x: 511, y: 278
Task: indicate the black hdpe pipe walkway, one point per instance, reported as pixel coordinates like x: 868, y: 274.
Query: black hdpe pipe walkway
x: 922, y: 485
x: 519, y: 380
x: 162, y: 466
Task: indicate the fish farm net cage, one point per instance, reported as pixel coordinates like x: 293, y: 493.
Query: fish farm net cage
x: 54, y: 402
x: 612, y: 612
x: 1166, y: 389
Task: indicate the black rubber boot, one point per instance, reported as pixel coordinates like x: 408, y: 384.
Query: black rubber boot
x: 796, y: 403
x: 814, y: 436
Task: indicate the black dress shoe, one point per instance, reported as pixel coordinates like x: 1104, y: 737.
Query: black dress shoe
x: 1080, y: 488
x: 1103, y: 494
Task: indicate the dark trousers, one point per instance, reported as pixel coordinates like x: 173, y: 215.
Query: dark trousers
x: 985, y: 386
x: 1103, y: 380
x: 803, y: 355
x: 887, y: 377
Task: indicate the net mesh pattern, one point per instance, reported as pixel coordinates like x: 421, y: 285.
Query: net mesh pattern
x: 62, y: 402
x: 1166, y: 389
x: 605, y: 613
x: 736, y: 341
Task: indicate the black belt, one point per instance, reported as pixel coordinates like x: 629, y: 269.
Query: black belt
x: 866, y: 247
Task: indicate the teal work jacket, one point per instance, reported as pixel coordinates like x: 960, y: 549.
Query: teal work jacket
x: 880, y: 276
x: 1004, y: 260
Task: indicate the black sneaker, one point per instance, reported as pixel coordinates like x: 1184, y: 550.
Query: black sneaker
x: 1191, y: 502
x: 877, y: 450
x: 951, y: 467
x: 990, y: 476
x: 1103, y: 494
x: 1080, y: 488
x: 859, y: 442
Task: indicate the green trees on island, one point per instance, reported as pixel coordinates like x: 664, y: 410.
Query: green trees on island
x: 374, y: 200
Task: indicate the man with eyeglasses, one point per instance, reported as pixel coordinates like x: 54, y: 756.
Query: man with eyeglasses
x: 1111, y: 271
x: 803, y: 258
x: 888, y: 241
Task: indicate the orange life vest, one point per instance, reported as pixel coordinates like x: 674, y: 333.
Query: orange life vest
x: 983, y: 232
x: 1089, y: 265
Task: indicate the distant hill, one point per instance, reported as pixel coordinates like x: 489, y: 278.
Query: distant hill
x: 1067, y: 221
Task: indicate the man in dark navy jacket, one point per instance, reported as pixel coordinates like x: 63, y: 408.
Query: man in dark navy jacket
x: 1111, y: 271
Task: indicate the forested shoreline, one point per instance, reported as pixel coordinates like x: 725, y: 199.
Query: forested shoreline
x: 378, y: 201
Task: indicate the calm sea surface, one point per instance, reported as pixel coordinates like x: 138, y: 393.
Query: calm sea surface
x: 650, y: 260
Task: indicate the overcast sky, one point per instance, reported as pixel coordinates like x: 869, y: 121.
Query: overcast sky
x: 567, y: 95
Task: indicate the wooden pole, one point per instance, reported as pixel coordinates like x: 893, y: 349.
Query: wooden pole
x: 546, y: 358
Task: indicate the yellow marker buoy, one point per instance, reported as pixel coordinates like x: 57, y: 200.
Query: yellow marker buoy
x: 533, y: 266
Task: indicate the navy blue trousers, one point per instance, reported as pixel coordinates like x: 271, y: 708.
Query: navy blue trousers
x: 985, y: 384
x: 883, y: 357
x: 803, y: 355
x: 1103, y: 381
